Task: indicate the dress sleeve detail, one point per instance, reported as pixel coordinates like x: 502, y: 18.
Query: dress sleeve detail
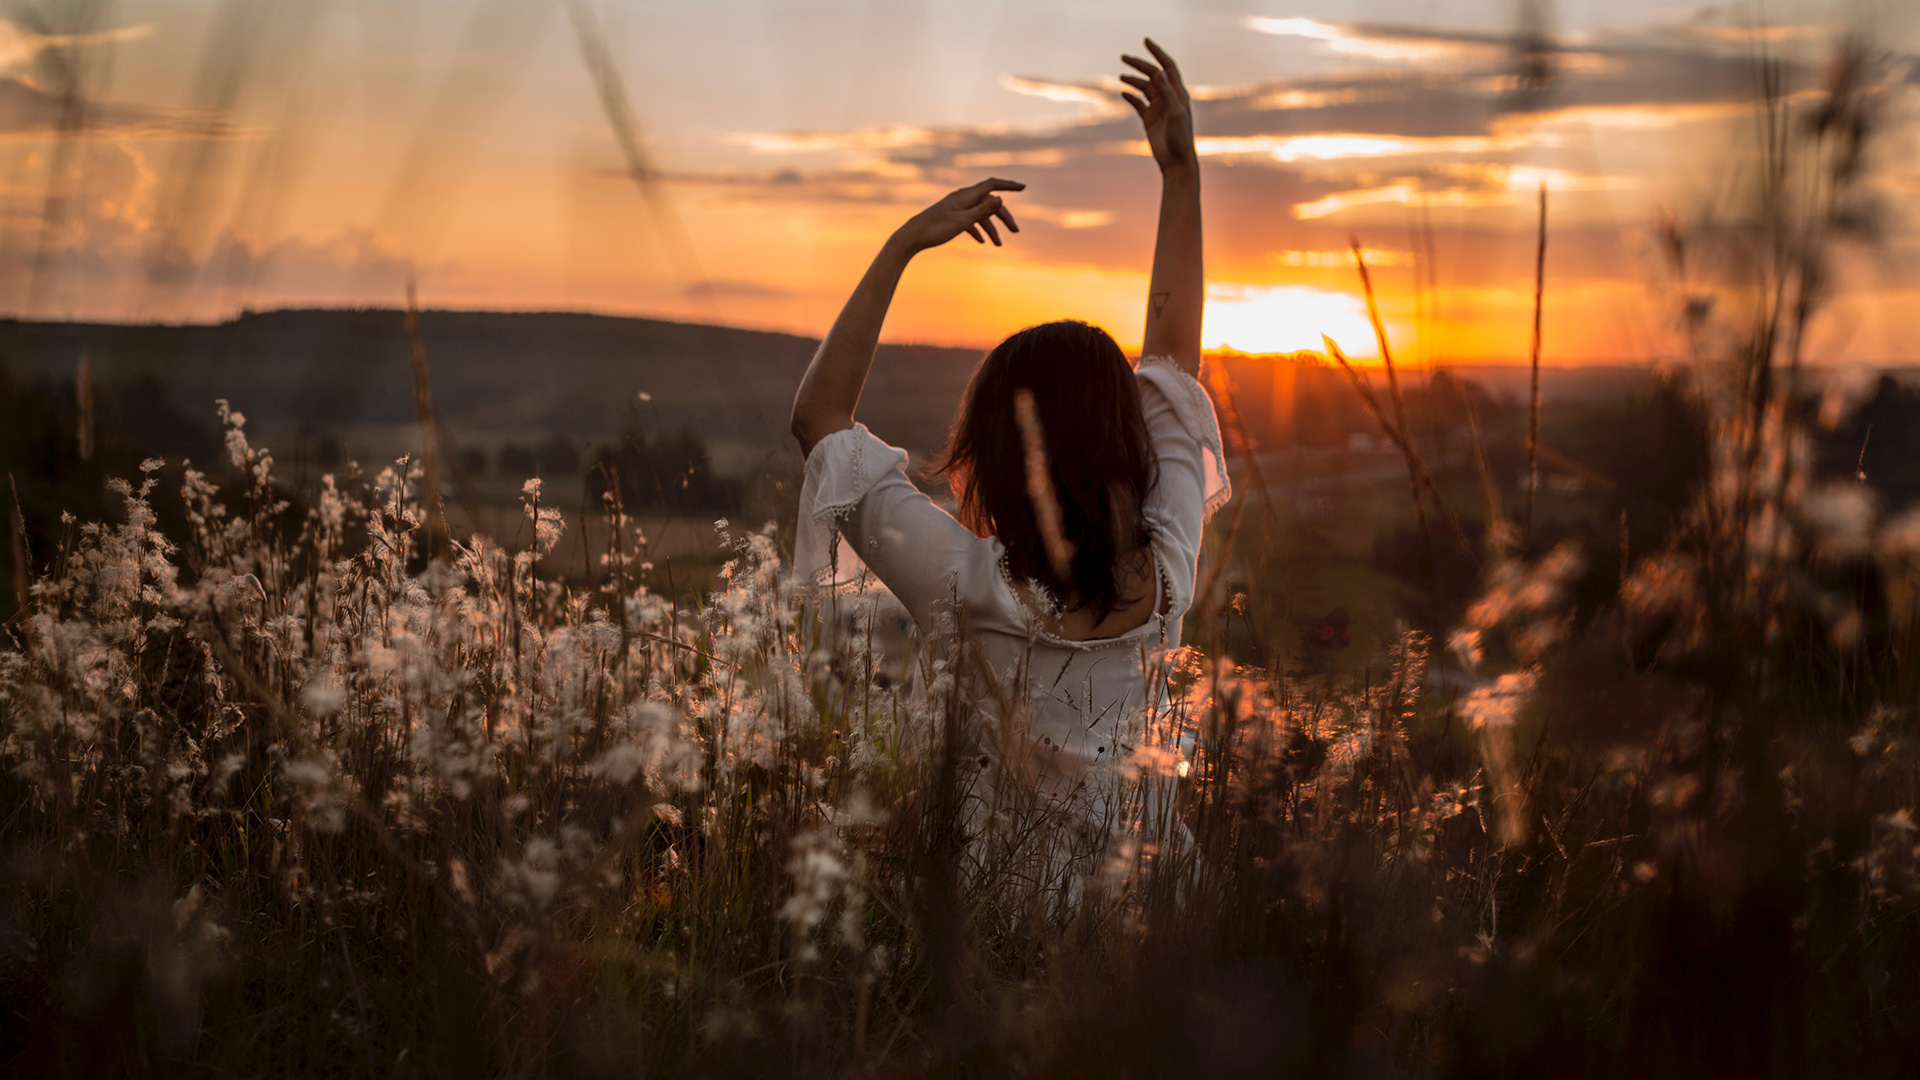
x: 841, y: 469
x: 1194, y: 410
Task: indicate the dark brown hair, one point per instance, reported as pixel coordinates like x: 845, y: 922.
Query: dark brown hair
x: 1102, y: 464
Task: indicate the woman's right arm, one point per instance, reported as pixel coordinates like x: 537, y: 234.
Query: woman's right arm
x: 830, y: 389
x: 1176, y: 296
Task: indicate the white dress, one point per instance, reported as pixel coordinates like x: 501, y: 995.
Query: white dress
x: 1084, y: 699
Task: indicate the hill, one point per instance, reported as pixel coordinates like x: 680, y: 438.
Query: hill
x: 495, y: 375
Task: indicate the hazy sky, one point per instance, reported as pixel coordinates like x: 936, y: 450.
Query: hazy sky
x: 187, y: 158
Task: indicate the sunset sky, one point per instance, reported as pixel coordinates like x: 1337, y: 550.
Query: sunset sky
x: 189, y: 158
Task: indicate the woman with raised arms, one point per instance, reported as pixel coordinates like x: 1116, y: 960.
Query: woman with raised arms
x: 1070, y: 581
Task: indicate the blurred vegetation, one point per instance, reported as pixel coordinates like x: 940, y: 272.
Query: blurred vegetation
x: 669, y: 471
x: 1615, y: 775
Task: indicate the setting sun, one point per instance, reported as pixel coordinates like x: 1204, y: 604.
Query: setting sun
x: 1285, y: 318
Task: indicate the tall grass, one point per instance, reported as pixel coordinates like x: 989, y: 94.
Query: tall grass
x: 288, y: 796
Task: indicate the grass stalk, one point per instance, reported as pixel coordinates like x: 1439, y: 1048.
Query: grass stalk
x: 1421, y: 479
x: 1404, y: 438
x: 429, y: 438
x: 1533, y: 361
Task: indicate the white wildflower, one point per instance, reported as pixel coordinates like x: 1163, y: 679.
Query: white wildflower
x: 1841, y: 518
x: 619, y: 763
x: 535, y: 877
x: 320, y: 792
x: 1499, y: 705
x: 1900, y: 537
x: 324, y: 696
x: 1465, y: 644
x: 818, y: 872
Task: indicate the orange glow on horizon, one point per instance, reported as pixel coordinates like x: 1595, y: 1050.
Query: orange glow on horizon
x: 1285, y: 319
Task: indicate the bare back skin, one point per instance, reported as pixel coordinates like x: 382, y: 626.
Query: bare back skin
x: 1140, y: 600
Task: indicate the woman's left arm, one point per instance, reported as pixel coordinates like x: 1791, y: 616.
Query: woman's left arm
x: 1176, y: 291
x: 830, y: 389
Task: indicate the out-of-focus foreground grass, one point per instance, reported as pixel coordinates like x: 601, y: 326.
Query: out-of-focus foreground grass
x: 285, y: 796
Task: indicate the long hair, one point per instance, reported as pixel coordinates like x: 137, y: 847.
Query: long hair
x: 1101, y: 463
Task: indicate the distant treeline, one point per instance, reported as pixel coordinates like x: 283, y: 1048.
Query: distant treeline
x: 672, y: 472
x: 1630, y: 438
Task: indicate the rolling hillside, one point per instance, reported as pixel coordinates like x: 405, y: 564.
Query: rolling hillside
x: 495, y: 375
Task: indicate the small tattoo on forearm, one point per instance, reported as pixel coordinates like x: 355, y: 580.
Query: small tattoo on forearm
x: 1157, y: 303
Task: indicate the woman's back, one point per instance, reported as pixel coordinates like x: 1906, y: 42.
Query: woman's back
x: 1082, y: 696
x: 1080, y: 480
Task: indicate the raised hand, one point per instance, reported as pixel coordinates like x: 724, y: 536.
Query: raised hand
x: 1176, y: 290
x: 1164, y: 107
x: 830, y: 390
x: 969, y: 210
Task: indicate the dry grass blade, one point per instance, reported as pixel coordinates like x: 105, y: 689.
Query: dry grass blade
x: 1489, y: 488
x: 1393, y: 391
x: 1422, y: 479
x: 1239, y: 441
x: 617, y: 105
x: 83, y: 403
x: 1379, y: 333
x: 21, y: 556
x: 429, y: 440
x: 614, y: 102
x: 1533, y: 403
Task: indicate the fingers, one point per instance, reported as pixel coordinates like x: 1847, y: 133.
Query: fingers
x: 1138, y: 105
x: 990, y: 184
x: 1166, y: 61
x: 1148, y: 69
x: 993, y: 207
x: 976, y: 206
x: 1138, y: 83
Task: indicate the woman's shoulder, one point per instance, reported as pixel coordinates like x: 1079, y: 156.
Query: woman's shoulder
x: 1185, y: 431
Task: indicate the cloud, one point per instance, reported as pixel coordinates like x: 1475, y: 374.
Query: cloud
x: 1455, y: 136
x: 1643, y: 116
x: 108, y: 281
x: 891, y: 138
x: 1402, y: 194
x: 34, y: 109
x: 1335, y: 146
x: 1383, y: 42
x: 19, y: 45
x: 869, y: 181
x: 1063, y: 217
x: 88, y: 252
x: 738, y: 290
x: 1343, y: 259
x: 1102, y: 96
x: 30, y: 113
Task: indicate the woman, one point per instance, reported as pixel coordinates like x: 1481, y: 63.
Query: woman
x: 1070, y: 575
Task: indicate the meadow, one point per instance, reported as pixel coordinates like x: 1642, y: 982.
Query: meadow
x: 298, y: 784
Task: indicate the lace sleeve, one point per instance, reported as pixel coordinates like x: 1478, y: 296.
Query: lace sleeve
x: 1193, y: 410
x: 857, y: 490
x: 842, y: 468
x: 1192, y: 466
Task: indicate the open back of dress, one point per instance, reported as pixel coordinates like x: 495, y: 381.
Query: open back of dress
x: 1071, y: 714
